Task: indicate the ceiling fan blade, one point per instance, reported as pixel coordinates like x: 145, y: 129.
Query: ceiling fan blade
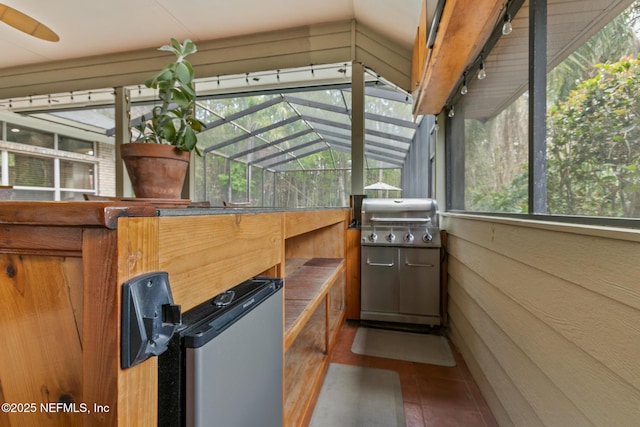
x: 26, y: 24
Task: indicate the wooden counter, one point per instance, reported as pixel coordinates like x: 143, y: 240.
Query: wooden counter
x: 64, y: 264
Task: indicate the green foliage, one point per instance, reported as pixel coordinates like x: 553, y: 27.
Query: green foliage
x: 496, y: 161
x: 593, y: 154
x: 238, y: 181
x: 593, y: 137
x: 512, y: 198
x: 173, y: 121
x: 611, y: 43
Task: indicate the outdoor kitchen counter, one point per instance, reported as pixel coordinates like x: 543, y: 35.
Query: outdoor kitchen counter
x: 64, y: 264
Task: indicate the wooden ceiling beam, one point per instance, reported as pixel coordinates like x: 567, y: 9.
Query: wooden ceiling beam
x: 465, y: 27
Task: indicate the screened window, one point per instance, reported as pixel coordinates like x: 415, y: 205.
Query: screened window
x: 76, y: 175
x: 24, y: 135
x: 264, y: 144
x: 593, y: 144
x: 73, y: 145
x: 490, y: 119
x: 31, y: 171
x: 590, y: 139
x: 37, y: 176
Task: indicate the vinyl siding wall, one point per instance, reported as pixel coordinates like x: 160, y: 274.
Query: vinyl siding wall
x: 547, y: 317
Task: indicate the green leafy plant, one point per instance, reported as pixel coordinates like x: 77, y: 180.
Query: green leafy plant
x: 173, y: 121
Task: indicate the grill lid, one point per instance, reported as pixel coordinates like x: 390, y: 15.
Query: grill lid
x: 399, y: 212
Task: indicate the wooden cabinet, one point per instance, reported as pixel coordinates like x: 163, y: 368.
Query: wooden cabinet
x: 314, y: 290
x: 63, y: 265
x: 353, y: 274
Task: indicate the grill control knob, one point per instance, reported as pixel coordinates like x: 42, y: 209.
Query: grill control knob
x: 373, y: 237
x: 408, y: 238
x: 427, y: 237
x: 391, y: 237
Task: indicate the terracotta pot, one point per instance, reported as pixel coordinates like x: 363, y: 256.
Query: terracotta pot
x: 157, y: 171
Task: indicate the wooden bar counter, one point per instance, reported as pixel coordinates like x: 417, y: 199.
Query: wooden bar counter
x: 63, y: 266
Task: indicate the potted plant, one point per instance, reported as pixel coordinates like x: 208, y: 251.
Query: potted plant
x: 158, y: 158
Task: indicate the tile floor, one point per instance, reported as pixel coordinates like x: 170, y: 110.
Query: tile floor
x: 434, y: 396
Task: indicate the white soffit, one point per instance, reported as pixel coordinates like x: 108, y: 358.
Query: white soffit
x: 89, y: 28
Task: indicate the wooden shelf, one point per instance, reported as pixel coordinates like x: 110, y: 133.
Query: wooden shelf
x: 305, y: 365
x: 305, y: 289
x: 314, y: 305
x: 292, y: 264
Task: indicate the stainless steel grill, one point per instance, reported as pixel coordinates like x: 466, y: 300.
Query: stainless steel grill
x: 400, y: 222
x: 400, y: 263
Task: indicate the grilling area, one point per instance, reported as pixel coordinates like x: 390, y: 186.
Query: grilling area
x: 400, y: 261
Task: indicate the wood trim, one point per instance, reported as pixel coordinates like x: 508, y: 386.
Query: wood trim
x: 137, y: 387
x: 80, y: 214
x: 300, y: 222
x: 316, y: 387
x: 101, y: 318
x: 628, y: 234
x: 353, y: 274
x: 465, y: 27
x: 41, y: 240
x: 419, y: 54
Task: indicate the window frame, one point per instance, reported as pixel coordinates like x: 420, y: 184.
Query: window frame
x: 537, y: 87
x: 57, y: 155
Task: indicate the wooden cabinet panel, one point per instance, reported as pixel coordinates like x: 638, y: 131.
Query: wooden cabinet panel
x: 353, y: 274
x: 220, y: 252
x: 41, y: 359
x: 301, y: 222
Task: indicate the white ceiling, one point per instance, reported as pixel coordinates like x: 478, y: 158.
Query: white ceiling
x: 93, y: 27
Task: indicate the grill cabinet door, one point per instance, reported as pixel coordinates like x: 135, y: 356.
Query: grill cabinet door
x: 420, y: 281
x: 379, y: 291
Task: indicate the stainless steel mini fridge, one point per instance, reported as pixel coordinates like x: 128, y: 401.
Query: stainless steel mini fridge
x: 225, y: 368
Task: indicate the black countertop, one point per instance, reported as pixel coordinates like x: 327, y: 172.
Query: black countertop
x: 221, y: 210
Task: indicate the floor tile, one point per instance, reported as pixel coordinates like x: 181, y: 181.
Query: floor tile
x: 413, y: 415
x: 451, y: 418
x: 484, y: 409
x: 426, y: 371
x: 434, y: 396
x: 446, y: 394
x: 410, y: 392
